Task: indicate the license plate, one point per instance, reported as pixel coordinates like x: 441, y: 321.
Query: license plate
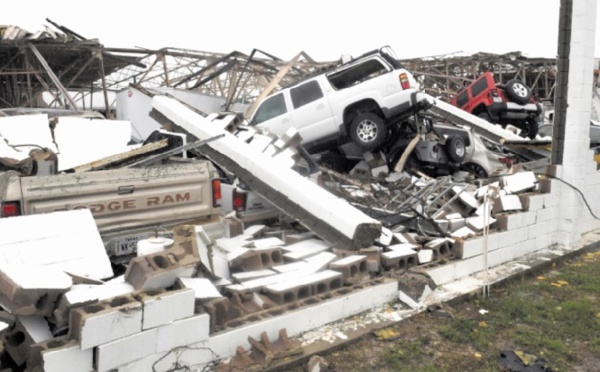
x: 128, y: 244
x: 497, y: 99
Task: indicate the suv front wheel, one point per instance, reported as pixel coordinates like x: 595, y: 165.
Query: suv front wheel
x: 368, y: 131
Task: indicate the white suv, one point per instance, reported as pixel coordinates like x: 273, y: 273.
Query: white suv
x: 358, y: 100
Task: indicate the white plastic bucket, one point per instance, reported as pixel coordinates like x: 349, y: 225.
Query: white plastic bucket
x: 153, y: 245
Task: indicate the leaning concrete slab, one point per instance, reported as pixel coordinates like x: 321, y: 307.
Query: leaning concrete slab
x: 66, y: 240
x: 332, y: 218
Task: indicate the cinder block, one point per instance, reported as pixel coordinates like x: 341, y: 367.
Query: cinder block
x: 463, y: 233
x: 442, y: 248
x: 547, y: 214
x: 474, y: 247
x: 373, y: 258
x: 519, y: 182
x: 161, y: 269
x: 509, y: 221
x: 528, y: 218
x: 31, y: 289
x: 386, y: 236
x: 183, y: 332
x: 400, y: 260
x: 257, y: 259
x: 532, y: 201
x: 478, y: 223
x: 28, y: 330
x: 294, y: 290
x: 85, y: 294
x: 425, y: 256
x: 456, y: 224
x: 353, y: 268
x: 161, y: 307
x: 126, y: 349
x: 551, y: 200
x: 546, y: 185
x: 93, y: 325
x: 468, y: 203
x: 58, y: 355
x: 507, y: 203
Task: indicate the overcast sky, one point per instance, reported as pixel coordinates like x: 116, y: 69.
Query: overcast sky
x: 323, y: 29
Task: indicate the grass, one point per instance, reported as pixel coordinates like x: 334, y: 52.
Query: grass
x: 554, y: 316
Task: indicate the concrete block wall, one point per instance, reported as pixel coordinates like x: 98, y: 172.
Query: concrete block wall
x: 224, y: 344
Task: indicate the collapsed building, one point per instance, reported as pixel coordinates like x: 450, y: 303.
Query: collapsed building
x: 227, y: 296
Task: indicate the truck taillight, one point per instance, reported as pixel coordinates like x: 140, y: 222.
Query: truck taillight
x: 216, y: 192
x: 10, y: 209
x: 404, y: 81
x: 239, y: 201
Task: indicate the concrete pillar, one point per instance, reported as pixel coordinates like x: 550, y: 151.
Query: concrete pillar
x: 573, y: 100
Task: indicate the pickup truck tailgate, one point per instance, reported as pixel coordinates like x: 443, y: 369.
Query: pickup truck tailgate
x: 125, y: 198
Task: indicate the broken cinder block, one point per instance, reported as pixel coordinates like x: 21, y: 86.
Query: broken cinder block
x: 353, y: 268
x: 28, y: 330
x: 31, y: 289
x: 161, y: 269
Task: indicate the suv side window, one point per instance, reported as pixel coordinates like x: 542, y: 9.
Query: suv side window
x: 479, y: 87
x: 357, y: 74
x: 306, y: 93
x: 270, y: 108
x: 462, y: 98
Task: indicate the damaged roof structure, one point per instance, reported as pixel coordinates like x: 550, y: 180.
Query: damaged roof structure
x: 215, y: 293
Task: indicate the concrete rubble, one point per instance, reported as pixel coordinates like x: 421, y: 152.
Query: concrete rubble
x: 239, y: 295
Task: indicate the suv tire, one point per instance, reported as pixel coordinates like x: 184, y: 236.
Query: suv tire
x: 517, y: 91
x: 456, y: 149
x: 368, y: 131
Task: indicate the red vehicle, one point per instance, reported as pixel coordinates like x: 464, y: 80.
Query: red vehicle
x: 511, y: 103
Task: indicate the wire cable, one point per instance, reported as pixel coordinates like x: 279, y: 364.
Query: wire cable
x: 574, y: 188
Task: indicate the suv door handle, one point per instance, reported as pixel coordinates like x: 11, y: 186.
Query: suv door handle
x: 123, y: 190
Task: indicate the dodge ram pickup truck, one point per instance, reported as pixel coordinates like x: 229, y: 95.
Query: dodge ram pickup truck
x: 128, y: 204
x: 358, y: 101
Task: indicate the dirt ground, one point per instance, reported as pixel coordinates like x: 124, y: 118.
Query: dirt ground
x: 546, y: 322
